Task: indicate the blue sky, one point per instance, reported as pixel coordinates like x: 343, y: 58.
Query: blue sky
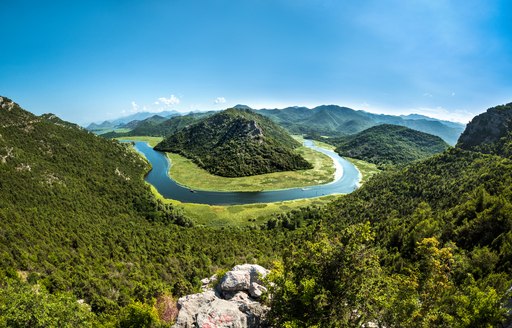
x: 93, y: 60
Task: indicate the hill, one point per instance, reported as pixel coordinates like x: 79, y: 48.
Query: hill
x: 389, y: 144
x: 158, y: 128
x: 78, y: 222
x: 236, y: 142
x: 334, y: 121
x: 426, y: 245
x: 490, y: 132
x: 122, y: 121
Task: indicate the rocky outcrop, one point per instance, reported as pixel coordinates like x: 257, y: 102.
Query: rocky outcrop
x: 489, y: 132
x: 232, y: 303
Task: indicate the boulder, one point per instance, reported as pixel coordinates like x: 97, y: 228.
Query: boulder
x: 232, y: 305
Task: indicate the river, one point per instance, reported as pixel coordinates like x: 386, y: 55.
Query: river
x: 346, y: 180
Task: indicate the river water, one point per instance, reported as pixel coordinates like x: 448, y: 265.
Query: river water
x: 346, y: 180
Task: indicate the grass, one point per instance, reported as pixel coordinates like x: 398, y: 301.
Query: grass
x: 152, y: 141
x: 240, y: 215
x: 367, y: 169
x: 185, y: 172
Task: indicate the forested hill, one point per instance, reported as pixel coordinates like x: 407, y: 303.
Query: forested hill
x: 77, y: 222
x: 159, y: 128
x: 427, y: 245
x: 490, y: 132
x: 236, y: 142
x: 333, y: 121
x: 389, y: 144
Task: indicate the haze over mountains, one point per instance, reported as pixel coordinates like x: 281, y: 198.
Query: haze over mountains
x: 326, y: 120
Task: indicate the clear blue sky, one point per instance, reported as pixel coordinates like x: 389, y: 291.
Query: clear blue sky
x: 93, y: 60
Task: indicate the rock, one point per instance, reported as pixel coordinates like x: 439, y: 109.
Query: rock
x: 256, y: 290
x: 232, y: 305
x: 234, y: 281
x: 221, y: 314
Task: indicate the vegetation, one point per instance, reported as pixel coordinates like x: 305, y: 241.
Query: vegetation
x: 423, y: 245
x: 158, y: 127
x: 335, y: 121
x: 432, y: 242
x: 236, y: 143
x: 389, y: 144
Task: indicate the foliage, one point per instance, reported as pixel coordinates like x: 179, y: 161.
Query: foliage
x: 236, y: 143
x: 389, y: 144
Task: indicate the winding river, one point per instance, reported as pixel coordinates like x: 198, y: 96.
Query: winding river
x: 346, y: 180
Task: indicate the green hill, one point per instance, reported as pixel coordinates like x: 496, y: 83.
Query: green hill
x: 490, y: 132
x: 236, y: 142
x: 77, y: 221
x: 426, y: 245
x: 389, y: 144
x: 335, y: 121
x: 160, y: 127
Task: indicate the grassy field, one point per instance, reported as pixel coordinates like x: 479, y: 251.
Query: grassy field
x: 152, y: 141
x: 241, y: 215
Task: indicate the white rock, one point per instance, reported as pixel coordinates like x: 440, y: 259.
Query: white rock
x: 256, y: 290
x: 234, y: 281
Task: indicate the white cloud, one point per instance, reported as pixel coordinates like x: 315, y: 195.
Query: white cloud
x: 220, y: 100
x: 426, y: 94
x: 172, y: 100
x: 135, y: 107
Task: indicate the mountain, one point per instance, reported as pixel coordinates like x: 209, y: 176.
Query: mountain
x: 236, y: 142
x: 389, y: 144
x: 83, y: 241
x: 490, y: 132
x: 159, y: 128
x: 116, y: 123
x: 332, y: 120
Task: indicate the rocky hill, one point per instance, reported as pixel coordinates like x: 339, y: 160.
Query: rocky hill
x: 390, y: 144
x: 236, y: 142
x: 490, y: 132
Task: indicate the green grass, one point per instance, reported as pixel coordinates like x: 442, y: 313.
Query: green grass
x: 185, y: 172
x: 240, y: 215
x: 367, y: 169
x: 152, y: 141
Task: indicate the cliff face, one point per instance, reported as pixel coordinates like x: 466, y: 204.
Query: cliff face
x: 490, y: 132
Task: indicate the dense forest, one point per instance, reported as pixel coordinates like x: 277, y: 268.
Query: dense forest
x: 77, y: 222
x: 235, y: 143
x: 83, y: 243
x: 389, y: 144
x: 428, y: 245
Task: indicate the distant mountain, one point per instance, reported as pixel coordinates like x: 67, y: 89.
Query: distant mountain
x: 119, y: 122
x: 236, y: 142
x: 159, y: 128
x: 490, y: 132
x: 390, y: 144
x: 332, y: 120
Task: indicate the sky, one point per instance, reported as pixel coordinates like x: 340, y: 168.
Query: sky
x: 101, y: 59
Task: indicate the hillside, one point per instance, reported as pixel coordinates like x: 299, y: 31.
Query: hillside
x: 389, y: 144
x: 427, y: 245
x: 77, y: 222
x: 159, y: 128
x: 490, y: 132
x: 236, y: 142
x: 120, y: 122
x: 334, y: 121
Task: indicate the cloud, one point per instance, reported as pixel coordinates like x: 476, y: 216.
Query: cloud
x: 172, y: 100
x: 426, y: 94
x: 135, y: 107
x: 220, y: 100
